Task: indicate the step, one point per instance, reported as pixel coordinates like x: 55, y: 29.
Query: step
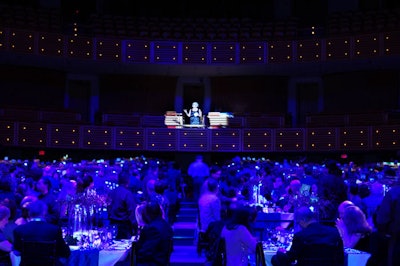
x: 188, y: 210
x: 186, y: 255
x: 188, y: 204
x: 184, y: 233
x: 184, y: 227
x: 186, y: 218
x: 184, y: 240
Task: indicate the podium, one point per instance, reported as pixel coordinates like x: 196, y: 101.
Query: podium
x: 219, y: 119
x: 173, y: 119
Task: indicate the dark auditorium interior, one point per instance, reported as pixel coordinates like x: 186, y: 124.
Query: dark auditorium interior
x: 299, y: 77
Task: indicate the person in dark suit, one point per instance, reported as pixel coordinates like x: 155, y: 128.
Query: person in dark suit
x: 121, y: 211
x: 154, y: 245
x: 311, y: 234
x: 38, y: 229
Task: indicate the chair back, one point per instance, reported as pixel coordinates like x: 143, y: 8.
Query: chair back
x: 38, y: 253
x: 220, y: 256
x: 132, y: 254
x: 321, y: 254
x: 171, y: 249
x: 260, y: 257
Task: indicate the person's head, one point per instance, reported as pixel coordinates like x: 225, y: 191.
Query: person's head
x: 303, y: 216
x: 212, y: 185
x: 37, y: 209
x: 123, y: 179
x: 4, y: 215
x: 153, y: 211
x: 195, y: 104
x: 241, y: 215
x: 215, y: 172
x: 353, y: 188
x: 199, y: 158
x: 295, y: 186
x: 278, y: 181
x: 43, y: 185
x: 12, y: 206
x: 342, y: 206
x: 355, y: 221
x: 87, y: 182
x: 377, y: 189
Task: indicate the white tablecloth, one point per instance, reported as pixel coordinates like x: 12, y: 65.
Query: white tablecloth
x: 106, y: 257
x: 354, y: 257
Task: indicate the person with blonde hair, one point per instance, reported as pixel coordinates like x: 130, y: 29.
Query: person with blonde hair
x: 354, y: 228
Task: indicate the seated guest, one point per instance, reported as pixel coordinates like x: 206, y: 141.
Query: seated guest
x: 38, y: 229
x: 47, y: 195
x: 372, y: 201
x: 154, y: 246
x: 213, y: 234
x: 342, y: 206
x: 240, y: 243
x: 10, y: 225
x: 5, y: 245
x: 311, y: 234
x: 121, y: 210
x: 23, y: 219
x: 354, y: 228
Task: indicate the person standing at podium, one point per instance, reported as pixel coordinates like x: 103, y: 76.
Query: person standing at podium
x: 195, y: 114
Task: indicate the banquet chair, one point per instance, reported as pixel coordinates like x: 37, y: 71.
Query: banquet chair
x: 260, y: 257
x: 321, y: 254
x: 171, y: 249
x: 220, y: 258
x: 132, y: 255
x: 38, y: 253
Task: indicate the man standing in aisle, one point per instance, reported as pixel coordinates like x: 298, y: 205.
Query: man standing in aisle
x: 198, y: 171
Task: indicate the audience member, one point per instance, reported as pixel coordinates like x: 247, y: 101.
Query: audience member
x: 278, y: 189
x: 342, y: 207
x: 154, y: 246
x: 8, y: 229
x: 213, y: 235
x: 353, y: 194
x: 151, y: 173
x: 84, y: 184
x: 209, y: 206
x: 354, y: 229
x: 240, y: 243
x: 47, y: 196
x: 5, y: 244
x: 311, y: 232
x: 215, y: 173
x: 371, y: 202
x: 155, y: 190
x: 332, y: 190
x: 198, y: 171
x: 38, y: 229
x: 24, y: 218
x: 121, y: 210
x: 388, y: 222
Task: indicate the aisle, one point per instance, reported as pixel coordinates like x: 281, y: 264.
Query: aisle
x: 184, y: 253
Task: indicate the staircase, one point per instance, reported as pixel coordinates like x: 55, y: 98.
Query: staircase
x: 184, y: 253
